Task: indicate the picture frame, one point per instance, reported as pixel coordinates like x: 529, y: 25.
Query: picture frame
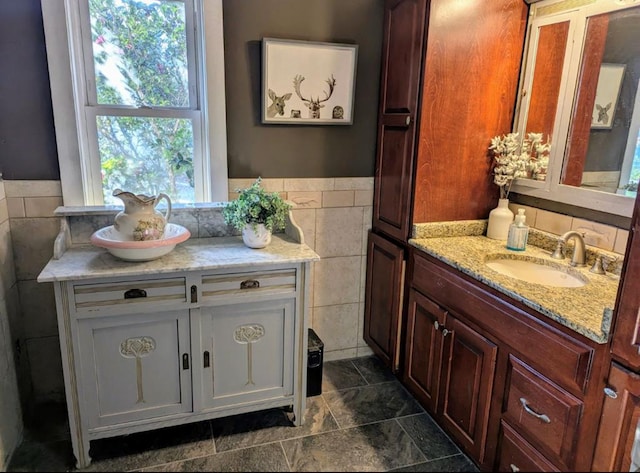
x: 607, y: 94
x: 308, y: 83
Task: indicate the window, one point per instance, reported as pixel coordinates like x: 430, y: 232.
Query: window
x: 140, y: 74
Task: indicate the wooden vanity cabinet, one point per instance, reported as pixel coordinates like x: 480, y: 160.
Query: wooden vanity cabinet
x: 514, y: 390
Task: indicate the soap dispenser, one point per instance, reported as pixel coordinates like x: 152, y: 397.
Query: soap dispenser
x: 518, y: 233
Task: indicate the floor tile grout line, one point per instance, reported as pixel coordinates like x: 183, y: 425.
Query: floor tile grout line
x: 286, y: 458
x: 333, y: 416
x: 213, y: 437
x: 411, y: 439
x: 360, y: 373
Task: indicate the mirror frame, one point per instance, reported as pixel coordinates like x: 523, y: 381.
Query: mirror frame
x: 576, y: 12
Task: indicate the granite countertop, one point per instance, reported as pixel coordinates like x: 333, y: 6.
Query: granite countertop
x: 586, y: 310
x: 196, y: 254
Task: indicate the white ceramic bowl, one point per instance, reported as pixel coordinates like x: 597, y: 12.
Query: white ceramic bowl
x: 112, y: 240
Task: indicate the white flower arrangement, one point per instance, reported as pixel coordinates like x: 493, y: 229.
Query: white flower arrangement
x: 539, y: 155
x: 510, y: 163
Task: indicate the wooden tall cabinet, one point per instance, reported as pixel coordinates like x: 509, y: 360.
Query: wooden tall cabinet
x: 448, y: 85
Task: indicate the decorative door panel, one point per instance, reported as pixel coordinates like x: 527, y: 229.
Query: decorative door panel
x: 135, y: 367
x: 248, y: 352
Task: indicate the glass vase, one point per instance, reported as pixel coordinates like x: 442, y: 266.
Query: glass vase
x: 499, y: 220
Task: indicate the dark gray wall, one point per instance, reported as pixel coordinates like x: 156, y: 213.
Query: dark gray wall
x: 299, y: 150
x: 27, y: 137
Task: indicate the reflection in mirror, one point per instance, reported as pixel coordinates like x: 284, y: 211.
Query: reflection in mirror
x: 603, y: 152
x: 579, y: 89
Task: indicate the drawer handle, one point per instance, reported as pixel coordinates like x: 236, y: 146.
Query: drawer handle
x: 514, y: 468
x: 194, y: 294
x: 445, y: 332
x: 135, y: 293
x: 610, y: 392
x: 542, y: 417
x: 185, y: 361
x: 207, y: 360
x: 250, y: 284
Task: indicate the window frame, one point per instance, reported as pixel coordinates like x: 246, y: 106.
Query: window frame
x: 74, y: 115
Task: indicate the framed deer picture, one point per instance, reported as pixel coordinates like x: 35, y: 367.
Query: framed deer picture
x: 308, y: 83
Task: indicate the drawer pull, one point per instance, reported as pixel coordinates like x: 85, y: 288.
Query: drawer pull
x: 445, y: 332
x: 185, y: 361
x: 194, y: 294
x: 207, y: 360
x: 250, y: 284
x: 610, y: 392
x: 436, y: 324
x: 514, y: 468
x: 135, y: 293
x: 542, y: 417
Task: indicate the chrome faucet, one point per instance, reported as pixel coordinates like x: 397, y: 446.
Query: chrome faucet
x: 579, y: 253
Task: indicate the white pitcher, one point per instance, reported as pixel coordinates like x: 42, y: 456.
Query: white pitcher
x: 140, y: 221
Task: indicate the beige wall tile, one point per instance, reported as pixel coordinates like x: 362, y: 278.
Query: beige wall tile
x: 15, y: 206
x: 620, y: 246
x: 363, y: 278
x: 596, y: 234
x: 234, y: 184
x: 10, y: 417
x: 529, y: 212
x: 305, y: 200
x: 337, y: 281
x: 364, y: 197
x: 354, y: 183
x: 337, y: 198
x: 7, y: 264
x: 32, y: 240
x: 367, y: 216
x: 361, y: 342
x: 337, y: 326
x: 306, y: 220
x: 552, y: 222
x: 312, y: 184
x: 339, y: 231
x: 4, y: 210
x: 41, y: 206
x: 340, y: 354
x: 363, y: 351
x: 3, y: 194
x: 273, y: 185
x: 33, y: 188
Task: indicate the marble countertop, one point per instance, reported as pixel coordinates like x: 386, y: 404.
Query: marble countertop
x: 195, y: 254
x: 586, y: 310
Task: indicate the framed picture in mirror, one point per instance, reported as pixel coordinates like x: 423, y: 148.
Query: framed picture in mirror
x: 607, y: 93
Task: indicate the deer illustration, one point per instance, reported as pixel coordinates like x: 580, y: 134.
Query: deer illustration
x: 314, y: 106
x: 277, y: 106
x: 603, y: 113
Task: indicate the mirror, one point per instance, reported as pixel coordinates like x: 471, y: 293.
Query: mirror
x: 580, y: 89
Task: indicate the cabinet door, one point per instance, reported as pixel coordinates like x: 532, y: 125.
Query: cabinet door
x: 466, y: 382
x: 135, y: 367
x: 248, y: 352
x: 383, y: 298
x: 404, y: 30
x: 423, y: 349
x: 618, y: 444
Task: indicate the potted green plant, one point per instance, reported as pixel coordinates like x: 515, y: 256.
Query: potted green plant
x: 257, y: 214
x: 631, y: 188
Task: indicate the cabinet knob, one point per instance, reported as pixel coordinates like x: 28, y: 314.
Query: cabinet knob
x: 436, y: 324
x: 543, y: 417
x: 185, y: 361
x: 611, y: 392
x: 445, y: 332
x: 194, y: 293
x: 135, y: 293
x: 514, y: 468
x: 407, y: 120
x: 250, y: 284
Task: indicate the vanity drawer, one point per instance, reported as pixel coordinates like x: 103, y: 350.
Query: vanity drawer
x: 222, y: 286
x: 127, y: 296
x: 517, y: 455
x: 541, y: 412
x: 565, y: 359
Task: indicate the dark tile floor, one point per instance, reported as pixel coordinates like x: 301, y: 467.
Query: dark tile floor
x: 364, y: 420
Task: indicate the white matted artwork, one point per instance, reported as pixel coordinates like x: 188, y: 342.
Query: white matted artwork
x: 308, y: 83
x: 607, y: 93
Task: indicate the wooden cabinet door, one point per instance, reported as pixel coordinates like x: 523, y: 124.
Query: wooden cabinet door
x: 383, y: 298
x: 618, y: 443
x: 423, y: 349
x: 466, y: 383
x: 248, y: 352
x: 402, y: 54
x: 135, y: 367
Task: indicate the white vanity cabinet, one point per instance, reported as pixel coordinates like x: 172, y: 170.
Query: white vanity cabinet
x: 204, y: 332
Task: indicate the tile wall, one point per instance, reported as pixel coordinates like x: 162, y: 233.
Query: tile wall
x: 334, y: 213
x: 10, y: 411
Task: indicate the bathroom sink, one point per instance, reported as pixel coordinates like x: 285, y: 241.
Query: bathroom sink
x: 147, y: 250
x: 537, y: 271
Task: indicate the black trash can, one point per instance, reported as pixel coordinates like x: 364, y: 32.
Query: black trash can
x: 314, y: 364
